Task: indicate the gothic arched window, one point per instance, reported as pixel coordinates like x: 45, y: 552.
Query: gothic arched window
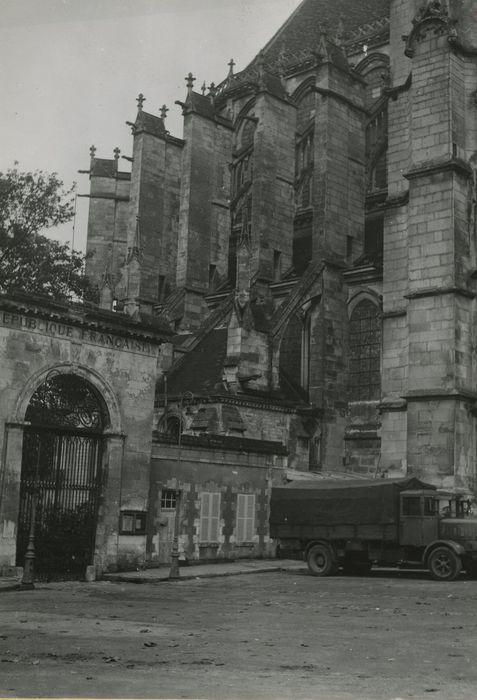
x: 365, y: 352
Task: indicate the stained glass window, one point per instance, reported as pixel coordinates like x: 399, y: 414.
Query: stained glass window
x: 365, y: 352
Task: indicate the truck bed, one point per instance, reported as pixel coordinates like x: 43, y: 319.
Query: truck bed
x: 339, y: 509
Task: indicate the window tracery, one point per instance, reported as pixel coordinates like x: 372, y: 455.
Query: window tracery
x: 304, y: 161
x: 365, y: 352
x: 376, y: 151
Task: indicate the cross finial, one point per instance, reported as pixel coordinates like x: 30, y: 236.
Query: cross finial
x: 190, y: 81
x: 163, y: 111
x: 231, y: 65
x: 116, y: 152
x: 92, y: 151
x: 203, y: 88
x: 140, y: 101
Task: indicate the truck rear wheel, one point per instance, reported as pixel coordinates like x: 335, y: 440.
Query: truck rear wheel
x: 444, y: 564
x: 320, y: 560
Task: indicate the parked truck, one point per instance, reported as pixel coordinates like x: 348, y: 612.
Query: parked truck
x: 353, y: 524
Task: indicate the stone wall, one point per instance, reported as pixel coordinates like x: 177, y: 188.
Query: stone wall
x: 119, y: 361
x: 220, y: 471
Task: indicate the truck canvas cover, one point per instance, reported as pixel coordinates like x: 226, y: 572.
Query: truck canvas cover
x: 336, y: 502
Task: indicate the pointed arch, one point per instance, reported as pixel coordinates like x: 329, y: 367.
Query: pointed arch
x: 365, y: 351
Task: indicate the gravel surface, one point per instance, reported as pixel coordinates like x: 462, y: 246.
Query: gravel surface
x: 277, y: 635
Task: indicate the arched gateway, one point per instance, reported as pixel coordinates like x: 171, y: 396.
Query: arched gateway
x: 61, y: 476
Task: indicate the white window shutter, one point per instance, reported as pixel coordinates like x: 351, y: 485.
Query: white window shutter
x: 209, y: 517
x: 245, y: 517
x: 204, y: 517
x: 215, y: 518
x: 250, y: 518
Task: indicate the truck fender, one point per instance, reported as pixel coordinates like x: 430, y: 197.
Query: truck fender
x: 454, y: 546
x: 323, y: 542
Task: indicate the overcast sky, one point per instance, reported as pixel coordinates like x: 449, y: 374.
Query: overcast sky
x: 72, y: 69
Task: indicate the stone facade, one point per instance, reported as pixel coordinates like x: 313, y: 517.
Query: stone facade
x: 118, y: 361
x: 311, y: 240
x: 326, y: 244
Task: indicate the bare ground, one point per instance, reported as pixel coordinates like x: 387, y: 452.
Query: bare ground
x: 273, y: 635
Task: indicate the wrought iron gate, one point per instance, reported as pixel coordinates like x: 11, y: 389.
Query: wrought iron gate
x: 60, y: 488
x: 61, y: 478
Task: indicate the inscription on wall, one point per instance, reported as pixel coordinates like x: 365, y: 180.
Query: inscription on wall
x: 62, y: 330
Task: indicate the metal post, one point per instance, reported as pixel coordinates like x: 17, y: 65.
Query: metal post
x: 29, y: 564
x: 174, y: 570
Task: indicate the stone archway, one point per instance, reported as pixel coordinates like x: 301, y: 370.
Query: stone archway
x: 61, y: 475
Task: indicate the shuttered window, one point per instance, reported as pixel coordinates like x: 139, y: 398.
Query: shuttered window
x: 245, y: 517
x: 209, y: 517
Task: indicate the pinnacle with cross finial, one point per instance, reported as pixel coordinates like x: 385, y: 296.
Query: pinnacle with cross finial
x: 163, y: 112
x: 140, y: 101
x: 116, y: 152
x: 231, y: 65
x: 92, y: 151
x: 203, y: 88
x: 190, y: 81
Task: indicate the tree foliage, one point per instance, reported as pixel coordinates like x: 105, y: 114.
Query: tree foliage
x: 30, y: 203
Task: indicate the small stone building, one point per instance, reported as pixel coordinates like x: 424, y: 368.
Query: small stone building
x: 76, y: 409
x: 310, y: 240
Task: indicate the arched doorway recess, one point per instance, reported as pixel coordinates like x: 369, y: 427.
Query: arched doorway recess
x: 61, y: 476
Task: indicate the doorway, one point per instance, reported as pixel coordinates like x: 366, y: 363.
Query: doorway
x: 61, y: 477
x: 166, y: 530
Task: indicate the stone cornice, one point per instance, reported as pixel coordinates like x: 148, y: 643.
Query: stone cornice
x: 396, y: 90
x: 439, y: 291
x: 326, y: 92
x: 444, y: 394
x: 392, y: 405
x: 394, y: 201
x: 263, y: 403
x: 395, y: 313
x: 114, y: 197
x: 83, y: 317
x: 248, y: 401
x: 365, y: 273
x: 438, y: 166
x: 223, y: 442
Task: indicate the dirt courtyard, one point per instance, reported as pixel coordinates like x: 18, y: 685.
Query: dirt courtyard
x: 270, y: 635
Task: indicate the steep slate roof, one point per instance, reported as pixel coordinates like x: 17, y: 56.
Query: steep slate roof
x: 103, y: 167
x: 301, y: 39
x: 200, y: 371
x: 150, y: 123
x: 303, y: 28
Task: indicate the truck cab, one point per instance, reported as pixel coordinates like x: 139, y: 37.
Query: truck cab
x: 440, y: 528
x: 418, y: 518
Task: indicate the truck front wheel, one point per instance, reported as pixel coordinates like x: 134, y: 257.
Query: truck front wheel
x: 444, y: 564
x: 320, y: 560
